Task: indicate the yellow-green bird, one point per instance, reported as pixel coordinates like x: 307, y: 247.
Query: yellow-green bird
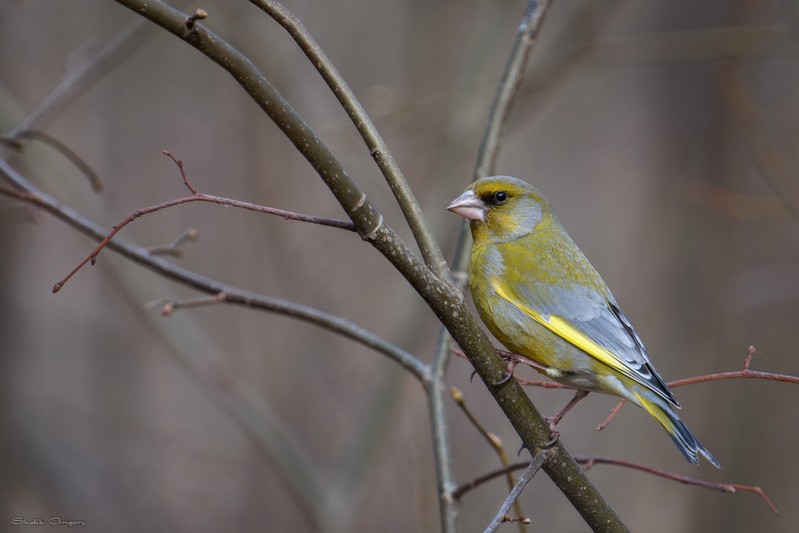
x: 541, y: 297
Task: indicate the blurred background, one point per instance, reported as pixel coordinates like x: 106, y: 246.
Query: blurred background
x: 664, y: 134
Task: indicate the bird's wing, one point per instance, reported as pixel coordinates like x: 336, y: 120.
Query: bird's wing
x: 592, y: 323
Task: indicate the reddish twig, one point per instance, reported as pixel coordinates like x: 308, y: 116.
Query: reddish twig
x: 730, y: 488
x: 195, y: 197
x: 179, y: 163
x: 746, y: 373
x: 590, y: 461
x: 611, y: 415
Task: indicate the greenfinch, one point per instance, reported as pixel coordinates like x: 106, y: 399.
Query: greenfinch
x: 541, y: 297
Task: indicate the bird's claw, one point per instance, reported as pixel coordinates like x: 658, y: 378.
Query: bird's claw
x: 554, y: 434
x: 521, y: 449
x: 505, y: 377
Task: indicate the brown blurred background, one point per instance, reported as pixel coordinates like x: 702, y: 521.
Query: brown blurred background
x: 665, y: 135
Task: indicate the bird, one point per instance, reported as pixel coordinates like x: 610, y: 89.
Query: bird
x: 539, y: 295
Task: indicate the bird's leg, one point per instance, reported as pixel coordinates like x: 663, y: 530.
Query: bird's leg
x: 513, y: 360
x: 553, y: 420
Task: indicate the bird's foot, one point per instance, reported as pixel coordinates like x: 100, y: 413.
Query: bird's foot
x: 554, y: 434
x: 513, y: 360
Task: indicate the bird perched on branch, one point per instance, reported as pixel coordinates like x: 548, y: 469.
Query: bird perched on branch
x: 541, y: 297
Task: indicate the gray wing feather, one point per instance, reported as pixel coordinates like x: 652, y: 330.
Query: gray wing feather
x: 601, y: 320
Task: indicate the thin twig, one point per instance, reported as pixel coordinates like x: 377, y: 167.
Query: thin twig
x: 532, y: 469
x: 493, y: 440
x: 506, y: 92
x: 746, y: 373
x: 168, y: 307
x: 174, y: 247
x: 588, y: 461
x: 29, y: 193
x: 730, y: 488
x: 431, y: 253
x: 442, y: 445
x: 75, y: 159
x: 79, y: 80
x: 199, y: 197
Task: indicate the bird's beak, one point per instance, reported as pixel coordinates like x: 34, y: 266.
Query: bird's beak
x: 468, y: 206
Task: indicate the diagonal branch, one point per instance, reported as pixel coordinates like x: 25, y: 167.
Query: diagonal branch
x: 506, y: 92
x: 431, y: 253
x: 29, y: 193
x: 527, y: 476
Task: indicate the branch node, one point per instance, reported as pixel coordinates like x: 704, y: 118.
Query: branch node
x: 179, y: 163
x: 199, y: 14
x: 371, y: 235
x: 749, y: 357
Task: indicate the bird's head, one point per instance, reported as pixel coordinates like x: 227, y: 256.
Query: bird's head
x: 501, y: 208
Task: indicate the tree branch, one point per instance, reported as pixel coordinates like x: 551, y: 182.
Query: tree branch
x: 590, y: 460
x: 29, y: 193
x: 431, y: 253
x: 532, y: 469
x: 746, y: 373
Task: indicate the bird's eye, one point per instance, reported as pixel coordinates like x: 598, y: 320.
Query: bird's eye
x: 500, y: 197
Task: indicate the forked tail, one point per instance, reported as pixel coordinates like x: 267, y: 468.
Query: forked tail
x: 686, y: 441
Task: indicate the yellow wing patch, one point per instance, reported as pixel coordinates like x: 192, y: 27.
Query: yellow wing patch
x: 570, y: 334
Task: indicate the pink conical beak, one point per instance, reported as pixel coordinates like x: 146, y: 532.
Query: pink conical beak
x: 468, y: 206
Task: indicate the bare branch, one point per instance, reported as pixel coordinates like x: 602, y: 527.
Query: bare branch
x: 746, y: 373
x: 589, y: 461
x: 493, y: 440
x: 532, y: 469
x: 198, y: 197
x: 431, y: 253
x: 80, y: 80
x: 29, y: 193
x: 52, y: 142
x: 509, y: 85
x: 174, y: 247
x: 730, y: 488
x: 170, y: 306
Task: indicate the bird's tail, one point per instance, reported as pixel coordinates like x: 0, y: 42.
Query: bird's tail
x: 686, y: 441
